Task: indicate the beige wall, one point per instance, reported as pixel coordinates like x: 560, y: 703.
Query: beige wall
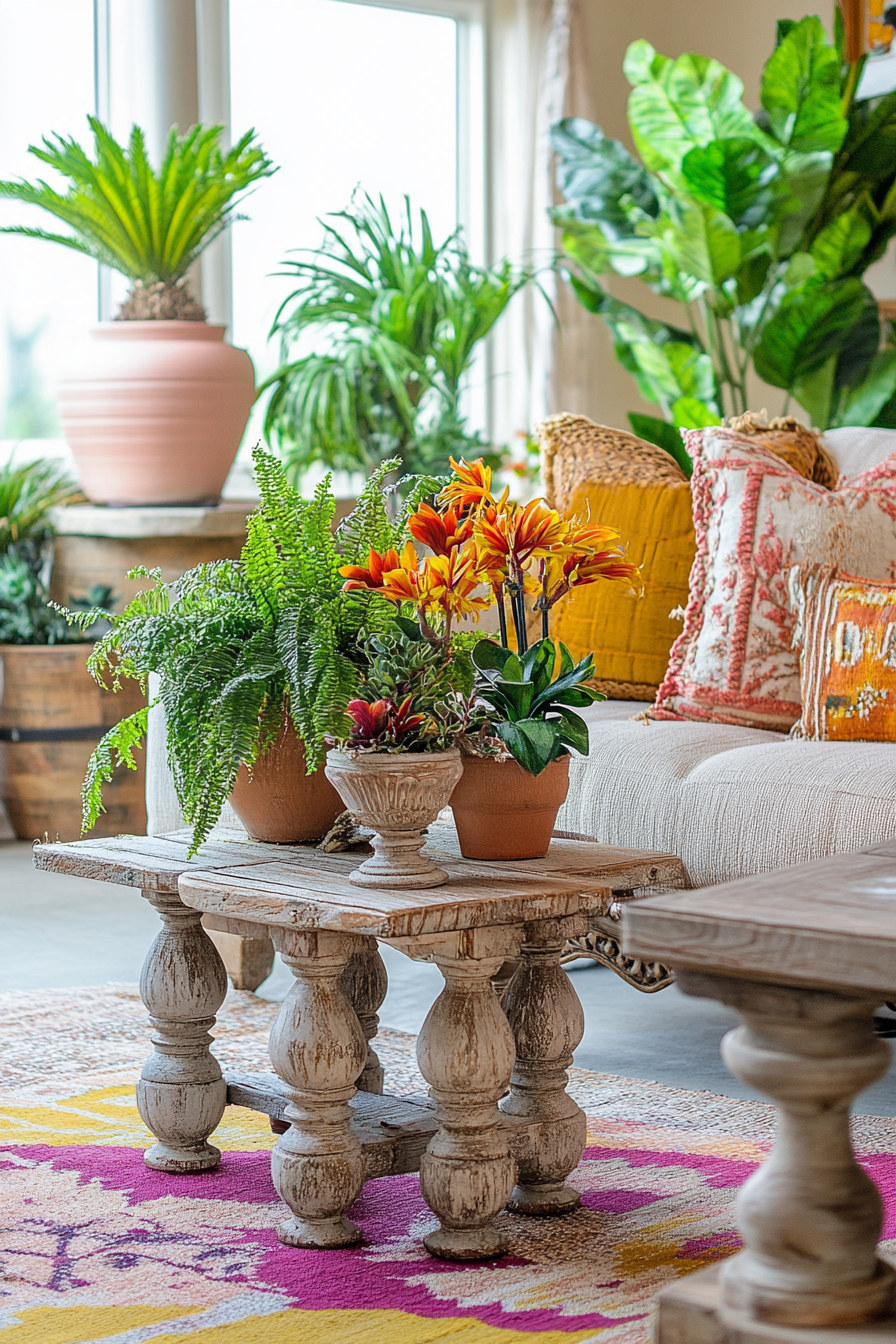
x: 739, y: 33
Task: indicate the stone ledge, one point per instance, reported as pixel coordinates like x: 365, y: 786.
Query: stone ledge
x: 227, y: 519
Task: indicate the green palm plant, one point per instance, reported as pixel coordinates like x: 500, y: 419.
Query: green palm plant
x: 376, y: 342
x: 149, y: 225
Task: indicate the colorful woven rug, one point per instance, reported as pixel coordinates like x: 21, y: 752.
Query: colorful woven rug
x: 96, y: 1247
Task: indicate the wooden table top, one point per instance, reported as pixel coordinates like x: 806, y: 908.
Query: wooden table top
x: 301, y: 887
x: 829, y: 923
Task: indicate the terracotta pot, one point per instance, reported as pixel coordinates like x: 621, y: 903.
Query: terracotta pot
x: 278, y: 802
x: 52, y: 714
x: 396, y: 796
x: 504, y: 813
x: 154, y: 412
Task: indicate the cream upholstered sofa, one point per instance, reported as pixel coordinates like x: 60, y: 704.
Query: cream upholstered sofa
x: 732, y: 801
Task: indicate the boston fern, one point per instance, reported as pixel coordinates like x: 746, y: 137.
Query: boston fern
x: 760, y: 227
x: 237, y: 644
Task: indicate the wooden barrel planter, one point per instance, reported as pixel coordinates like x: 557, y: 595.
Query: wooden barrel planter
x: 52, y: 714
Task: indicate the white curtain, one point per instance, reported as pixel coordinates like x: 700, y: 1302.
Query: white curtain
x: 536, y: 67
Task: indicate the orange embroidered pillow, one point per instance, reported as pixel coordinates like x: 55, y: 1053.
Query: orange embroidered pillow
x: 847, y: 628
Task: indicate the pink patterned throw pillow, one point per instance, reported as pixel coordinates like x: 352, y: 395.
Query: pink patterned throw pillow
x: 754, y: 518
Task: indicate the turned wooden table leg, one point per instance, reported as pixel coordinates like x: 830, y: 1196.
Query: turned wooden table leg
x: 465, y: 1051
x: 318, y: 1048
x: 365, y: 982
x: 547, y: 1022
x: 181, y: 1094
x: 810, y: 1217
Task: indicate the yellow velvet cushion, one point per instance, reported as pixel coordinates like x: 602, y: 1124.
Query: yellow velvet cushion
x: 629, y: 636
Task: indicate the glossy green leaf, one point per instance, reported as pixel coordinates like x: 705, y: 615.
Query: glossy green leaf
x: 816, y: 393
x: 840, y: 243
x: 594, y: 173
x: 664, y: 435
x: 810, y: 326
x: 573, y: 731
x: 691, y: 413
x: 678, y: 104
x: 855, y: 359
x: 800, y: 90
x: 489, y: 657
x: 804, y: 180
x: 734, y: 175
x: 863, y: 403
x: 534, y: 743
x: 704, y: 243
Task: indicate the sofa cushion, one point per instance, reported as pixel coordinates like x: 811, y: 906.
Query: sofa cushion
x: 856, y: 449
x: 755, y: 517
x: 729, y: 801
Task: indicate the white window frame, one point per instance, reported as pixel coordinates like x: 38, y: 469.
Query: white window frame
x: 210, y: 93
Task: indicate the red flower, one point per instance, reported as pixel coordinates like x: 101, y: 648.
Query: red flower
x: 382, y: 722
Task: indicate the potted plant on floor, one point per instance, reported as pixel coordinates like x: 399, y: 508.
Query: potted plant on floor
x: 51, y: 712
x: 258, y: 659
x: 518, y: 721
x: 155, y: 410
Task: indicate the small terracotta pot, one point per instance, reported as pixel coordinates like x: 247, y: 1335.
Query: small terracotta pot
x: 504, y: 813
x: 396, y: 795
x: 154, y: 412
x: 278, y: 802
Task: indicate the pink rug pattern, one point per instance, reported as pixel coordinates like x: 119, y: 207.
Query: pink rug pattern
x: 95, y: 1247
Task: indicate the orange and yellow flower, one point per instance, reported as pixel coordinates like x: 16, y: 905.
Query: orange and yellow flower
x: 513, y: 537
x: 441, y: 532
x: 378, y: 566
x: 448, y: 584
x: 472, y: 486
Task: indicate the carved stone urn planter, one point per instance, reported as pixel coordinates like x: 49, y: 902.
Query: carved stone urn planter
x: 503, y: 813
x: 278, y: 802
x: 396, y: 796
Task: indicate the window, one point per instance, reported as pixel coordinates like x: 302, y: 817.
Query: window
x: 349, y: 96
x: 48, y: 294
x: 344, y: 94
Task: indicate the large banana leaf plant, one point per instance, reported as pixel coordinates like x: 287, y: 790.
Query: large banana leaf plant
x: 760, y: 226
x: 376, y: 341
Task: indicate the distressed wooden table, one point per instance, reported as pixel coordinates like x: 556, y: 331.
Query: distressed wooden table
x: 489, y: 920
x: 805, y: 956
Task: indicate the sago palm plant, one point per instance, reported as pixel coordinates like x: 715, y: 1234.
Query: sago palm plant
x: 149, y: 224
x: 376, y: 340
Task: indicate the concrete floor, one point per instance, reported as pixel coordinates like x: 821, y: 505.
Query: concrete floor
x: 66, y: 931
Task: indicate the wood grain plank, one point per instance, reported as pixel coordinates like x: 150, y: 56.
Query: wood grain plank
x: 153, y: 862
x: 831, y: 922
x: 301, y: 897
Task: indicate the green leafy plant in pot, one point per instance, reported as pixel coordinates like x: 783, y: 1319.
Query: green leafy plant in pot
x: 518, y: 719
x: 155, y: 408
x: 257, y: 659
x: 51, y: 713
x: 760, y: 227
x: 377, y: 340
x: 528, y: 701
x: 397, y: 767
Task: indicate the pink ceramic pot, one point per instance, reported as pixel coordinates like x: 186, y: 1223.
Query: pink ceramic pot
x: 154, y: 412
